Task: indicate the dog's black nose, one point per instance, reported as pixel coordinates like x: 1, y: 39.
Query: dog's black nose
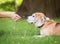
x: 26, y: 18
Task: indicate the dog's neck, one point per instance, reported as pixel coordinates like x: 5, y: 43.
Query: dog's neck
x: 41, y: 26
x: 48, y: 22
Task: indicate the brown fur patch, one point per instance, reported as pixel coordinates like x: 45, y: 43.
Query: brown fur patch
x: 40, y: 15
x: 49, y: 22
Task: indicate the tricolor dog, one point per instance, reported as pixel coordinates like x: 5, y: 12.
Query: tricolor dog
x: 48, y: 27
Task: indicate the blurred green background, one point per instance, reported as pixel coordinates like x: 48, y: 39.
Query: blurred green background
x: 9, y: 5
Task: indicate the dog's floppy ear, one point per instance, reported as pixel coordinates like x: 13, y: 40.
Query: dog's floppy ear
x: 46, y: 18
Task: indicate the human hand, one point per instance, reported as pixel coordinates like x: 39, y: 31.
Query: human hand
x: 15, y: 17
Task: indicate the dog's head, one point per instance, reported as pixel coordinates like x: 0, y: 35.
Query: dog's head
x: 37, y: 18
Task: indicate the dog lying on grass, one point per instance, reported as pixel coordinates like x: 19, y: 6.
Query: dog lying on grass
x: 48, y: 27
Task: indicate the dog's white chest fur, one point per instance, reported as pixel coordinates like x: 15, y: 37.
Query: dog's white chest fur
x: 46, y: 31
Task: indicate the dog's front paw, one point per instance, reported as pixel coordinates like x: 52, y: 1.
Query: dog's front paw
x: 38, y: 36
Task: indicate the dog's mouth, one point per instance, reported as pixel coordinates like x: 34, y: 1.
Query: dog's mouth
x: 31, y: 22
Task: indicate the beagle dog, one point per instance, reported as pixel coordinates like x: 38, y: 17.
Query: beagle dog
x: 48, y: 27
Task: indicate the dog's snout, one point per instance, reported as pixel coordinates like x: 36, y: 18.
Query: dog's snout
x: 28, y: 17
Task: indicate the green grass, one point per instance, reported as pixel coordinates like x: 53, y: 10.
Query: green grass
x: 22, y: 32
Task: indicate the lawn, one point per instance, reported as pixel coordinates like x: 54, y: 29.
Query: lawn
x: 22, y: 32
